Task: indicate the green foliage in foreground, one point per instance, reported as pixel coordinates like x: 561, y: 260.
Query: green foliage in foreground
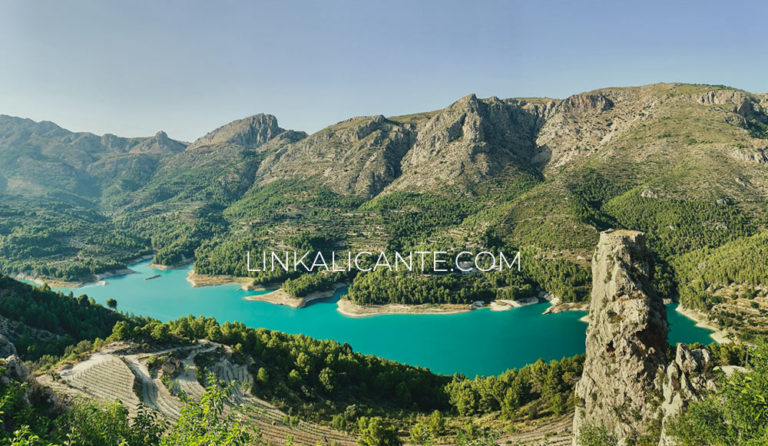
x: 376, y: 432
x: 205, y: 423
x: 549, y: 384
x: 736, y: 415
x: 596, y: 436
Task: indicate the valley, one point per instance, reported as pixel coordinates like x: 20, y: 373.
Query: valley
x: 339, y: 357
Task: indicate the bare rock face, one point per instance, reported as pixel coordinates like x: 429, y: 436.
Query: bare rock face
x: 14, y: 370
x: 458, y: 146
x: 586, y: 102
x: 620, y: 388
x: 758, y: 156
x: 473, y: 138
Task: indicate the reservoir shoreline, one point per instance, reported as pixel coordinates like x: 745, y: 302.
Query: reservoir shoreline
x: 276, y: 296
x: 473, y: 343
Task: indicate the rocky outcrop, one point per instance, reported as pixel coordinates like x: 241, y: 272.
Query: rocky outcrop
x: 586, y: 102
x: 686, y: 381
x: 626, y: 341
x: 470, y: 140
x: 359, y: 156
x: 627, y: 387
x: 458, y: 146
x: 758, y: 156
x: 6, y: 347
x: 13, y: 369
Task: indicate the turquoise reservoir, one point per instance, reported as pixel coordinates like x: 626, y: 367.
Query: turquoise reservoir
x: 480, y: 342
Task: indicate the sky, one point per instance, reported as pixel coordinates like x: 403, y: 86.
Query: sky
x: 135, y: 67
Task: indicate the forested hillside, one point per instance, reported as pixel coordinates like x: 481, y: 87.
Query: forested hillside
x: 41, y: 322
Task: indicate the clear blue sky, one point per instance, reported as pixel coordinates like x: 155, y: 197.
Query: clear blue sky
x: 135, y: 67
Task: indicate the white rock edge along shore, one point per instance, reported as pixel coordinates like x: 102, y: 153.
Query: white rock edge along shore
x: 351, y: 309
x: 719, y: 335
x: 96, y: 278
x: 279, y: 297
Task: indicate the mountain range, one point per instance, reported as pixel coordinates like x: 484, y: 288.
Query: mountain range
x: 684, y: 163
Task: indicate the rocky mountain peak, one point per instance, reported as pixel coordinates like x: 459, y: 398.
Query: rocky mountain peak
x: 366, y: 126
x: 472, y: 138
x: 250, y: 132
x: 468, y: 100
x: 358, y: 156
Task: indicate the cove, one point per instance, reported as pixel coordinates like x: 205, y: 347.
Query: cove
x: 480, y: 342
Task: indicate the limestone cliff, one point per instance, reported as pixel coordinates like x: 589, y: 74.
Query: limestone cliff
x: 627, y: 387
x: 470, y: 140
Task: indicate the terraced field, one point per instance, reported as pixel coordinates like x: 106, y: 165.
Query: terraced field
x: 103, y: 376
x: 111, y: 375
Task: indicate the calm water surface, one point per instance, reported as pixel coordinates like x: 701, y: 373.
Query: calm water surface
x: 480, y: 342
